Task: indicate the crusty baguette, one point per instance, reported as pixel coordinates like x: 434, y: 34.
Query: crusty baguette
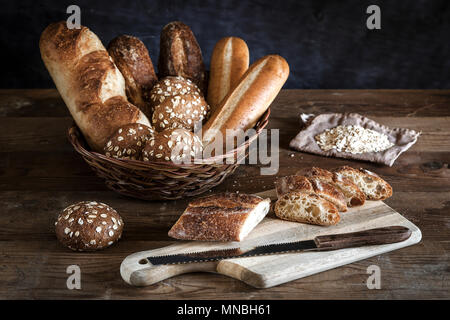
x: 354, y: 196
x: 374, y: 187
x: 89, y: 83
x: 220, y: 217
x: 133, y: 60
x: 180, y: 54
x: 247, y: 102
x: 229, y: 61
x: 312, y: 185
x: 306, y: 208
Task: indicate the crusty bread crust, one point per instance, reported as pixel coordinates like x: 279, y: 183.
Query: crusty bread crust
x: 247, y: 102
x: 229, y: 61
x: 88, y: 81
x: 218, y: 217
x: 306, y: 208
x: 374, y: 187
x: 133, y: 60
x: 180, y: 54
x: 311, y: 185
x: 353, y: 195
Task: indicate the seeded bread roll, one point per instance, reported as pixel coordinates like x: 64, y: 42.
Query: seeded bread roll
x: 186, y: 112
x: 374, y: 187
x: 175, y: 145
x: 306, y: 208
x: 353, y: 195
x: 312, y: 185
x: 90, y: 84
x: 170, y: 87
x: 180, y: 54
x: 133, y: 60
x: 229, y: 61
x: 88, y: 226
x: 128, y: 141
x: 220, y: 217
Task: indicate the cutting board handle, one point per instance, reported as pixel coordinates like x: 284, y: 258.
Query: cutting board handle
x: 369, y: 237
x: 138, y: 271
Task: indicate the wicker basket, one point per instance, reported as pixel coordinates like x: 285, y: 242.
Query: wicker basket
x: 161, y: 180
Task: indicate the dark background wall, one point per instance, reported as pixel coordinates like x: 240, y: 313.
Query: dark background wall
x: 326, y: 43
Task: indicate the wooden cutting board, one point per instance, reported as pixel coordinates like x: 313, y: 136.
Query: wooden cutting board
x: 269, y: 271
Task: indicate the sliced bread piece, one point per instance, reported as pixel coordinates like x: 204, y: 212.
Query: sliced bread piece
x: 374, y: 187
x: 220, y: 217
x: 306, y: 208
x: 312, y: 185
x: 353, y: 195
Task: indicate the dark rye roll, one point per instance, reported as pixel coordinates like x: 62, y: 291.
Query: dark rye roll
x: 220, y: 217
x: 180, y: 54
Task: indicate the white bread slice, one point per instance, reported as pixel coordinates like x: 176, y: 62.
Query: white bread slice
x: 374, y: 187
x: 306, y: 208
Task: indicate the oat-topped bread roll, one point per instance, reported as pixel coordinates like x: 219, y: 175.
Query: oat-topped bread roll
x: 229, y: 61
x: 89, y: 82
x: 306, y: 208
x: 220, y: 217
x: 128, y: 141
x: 354, y: 196
x: 187, y: 112
x: 88, y: 226
x: 170, y: 87
x: 374, y: 187
x: 133, y: 60
x: 174, y: 145
x: 180, y: 54
x: 311, y: 185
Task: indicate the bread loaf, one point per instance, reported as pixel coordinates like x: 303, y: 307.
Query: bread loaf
x: 180, y: 54
x: 229, y: 61
x: 88, y: 226
x: 353, y: 195
x: 311, y: 185
x: 306, y: 208
x: 220, y: 217
x: 247, y: 102
x: 374, y: 187
x: 170, y: 87
x: 173, y: 145
x: 89, y: 83
x: 133, y: 60
x: 185, y: 111
x: 128, y: 141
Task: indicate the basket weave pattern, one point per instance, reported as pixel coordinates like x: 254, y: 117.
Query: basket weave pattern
x: 161, y: 180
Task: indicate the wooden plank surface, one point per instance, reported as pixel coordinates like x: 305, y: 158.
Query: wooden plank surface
x: 271, y: 270
x: 40, y: 174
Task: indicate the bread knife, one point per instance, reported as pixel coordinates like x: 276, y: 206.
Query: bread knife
x: 377, y: 236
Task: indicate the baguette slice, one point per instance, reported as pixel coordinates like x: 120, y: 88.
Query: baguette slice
x: 312, y: 185
x: 353, y: 195
x: 374, y: 187
x: 220, y: 217
x: 229, y: 61
x: 306, y: 208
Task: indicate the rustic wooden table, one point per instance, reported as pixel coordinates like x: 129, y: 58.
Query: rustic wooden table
x: 40, y: 174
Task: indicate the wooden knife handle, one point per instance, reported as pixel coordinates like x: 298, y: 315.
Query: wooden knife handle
x: 363, y: 238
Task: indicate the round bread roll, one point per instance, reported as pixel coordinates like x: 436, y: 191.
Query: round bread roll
x: 88, y: 226
x: 175, y: 145
x: 171, y: 86
x: 128, y: 141
x: 184, y: 112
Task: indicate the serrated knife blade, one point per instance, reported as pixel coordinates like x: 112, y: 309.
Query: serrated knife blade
x: 216, y: 255
x: 377, y: 236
